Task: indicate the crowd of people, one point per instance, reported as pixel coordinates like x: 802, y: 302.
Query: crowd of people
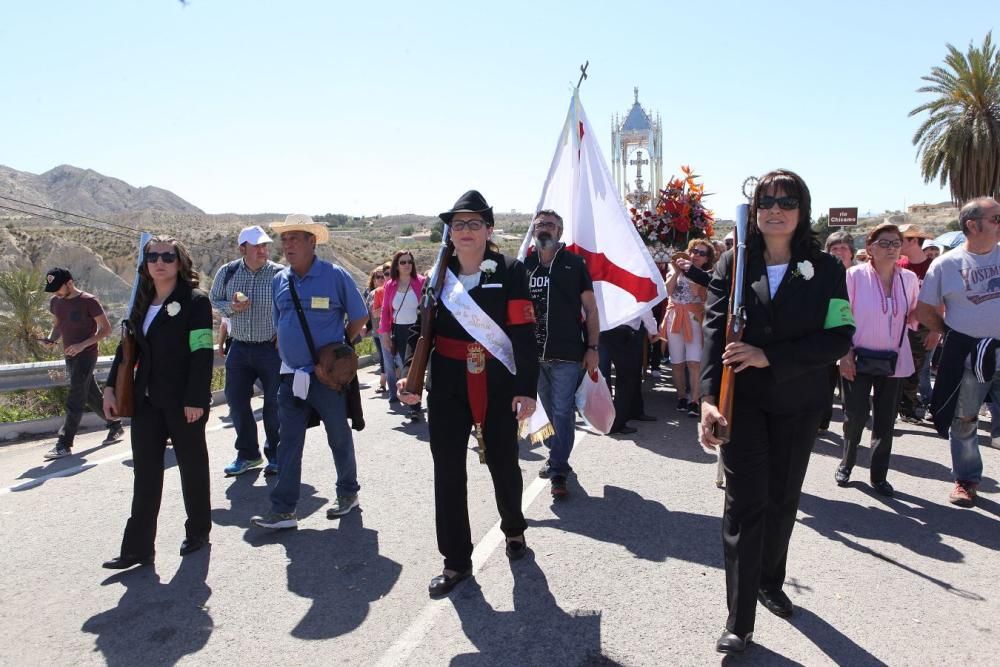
x: 506, y: 332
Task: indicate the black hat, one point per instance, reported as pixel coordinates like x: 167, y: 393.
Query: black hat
x: 470, y: 202
x: 56, y: 278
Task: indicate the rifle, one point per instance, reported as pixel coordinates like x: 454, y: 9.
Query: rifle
x: 429, y: 299
x: 125, y: 374
x: 736, y: 321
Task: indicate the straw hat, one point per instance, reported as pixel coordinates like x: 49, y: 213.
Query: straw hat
x: 299, y: 222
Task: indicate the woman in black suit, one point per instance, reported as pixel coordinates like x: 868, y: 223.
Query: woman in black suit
x: 798, y: 323
x: 484, y: 331
x: 172, y: 324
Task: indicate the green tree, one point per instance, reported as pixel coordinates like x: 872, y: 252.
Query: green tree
x: 406, y: 231
x: 959, y: 142
x: 822, y: 227
x: 23, y: 305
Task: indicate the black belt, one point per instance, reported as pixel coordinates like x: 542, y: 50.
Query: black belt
x: 253, y: 342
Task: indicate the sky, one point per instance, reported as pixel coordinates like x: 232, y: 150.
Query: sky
x: 393, y: 107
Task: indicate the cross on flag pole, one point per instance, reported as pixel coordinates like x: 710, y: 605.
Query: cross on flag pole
x: 596, y: 225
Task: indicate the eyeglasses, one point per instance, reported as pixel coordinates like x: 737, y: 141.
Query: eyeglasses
x: 405, y: 261
x: 784, y: 203
x: 386, y: 274
x: 471, y: 225
x: 167, y: 257
x: 885, y: 244
x: 700, y: 253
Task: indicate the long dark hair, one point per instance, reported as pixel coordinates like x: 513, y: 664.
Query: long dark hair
x: 805, y: 243
x: 394, y: 267
x: 145, y: 291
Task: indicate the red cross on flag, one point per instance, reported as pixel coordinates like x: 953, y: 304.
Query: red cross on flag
x: 596, y: 225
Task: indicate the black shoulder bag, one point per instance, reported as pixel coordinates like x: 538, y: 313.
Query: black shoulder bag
x: 881, y: 363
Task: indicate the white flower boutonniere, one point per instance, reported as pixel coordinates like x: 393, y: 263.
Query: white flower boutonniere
x: 488, y: 266
x: 804, y: 270
x: 173, y: 308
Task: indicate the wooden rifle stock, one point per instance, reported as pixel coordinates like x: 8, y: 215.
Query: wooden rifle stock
x: 422, y: 350
x: 125, y: 374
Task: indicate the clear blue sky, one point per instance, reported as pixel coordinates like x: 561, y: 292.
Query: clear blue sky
x: 392, y: 107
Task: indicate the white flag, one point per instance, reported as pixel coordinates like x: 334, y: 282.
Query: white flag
x: 579, y: 187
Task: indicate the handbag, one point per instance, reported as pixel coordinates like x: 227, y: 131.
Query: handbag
x: 880, y: 363
x: 125, y: 373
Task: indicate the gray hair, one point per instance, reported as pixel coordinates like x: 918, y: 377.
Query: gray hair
x: 973, y: 210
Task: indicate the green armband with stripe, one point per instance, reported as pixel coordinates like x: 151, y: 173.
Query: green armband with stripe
x: 838, y: 314
x: 200, y: 339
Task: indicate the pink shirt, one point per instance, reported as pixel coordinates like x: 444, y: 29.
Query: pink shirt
x: 878, y: 321
x: 389, y: 293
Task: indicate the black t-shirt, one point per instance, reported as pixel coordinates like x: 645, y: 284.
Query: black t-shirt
x: 560, y: 331
x: 538, y: 283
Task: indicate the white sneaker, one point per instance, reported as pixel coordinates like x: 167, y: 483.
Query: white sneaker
x: 56, y: 452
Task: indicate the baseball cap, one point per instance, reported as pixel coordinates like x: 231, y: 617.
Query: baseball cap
x: 56, y: 278
x: 254, y: 236
x: 931, y: 243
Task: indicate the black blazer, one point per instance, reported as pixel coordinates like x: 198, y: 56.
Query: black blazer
x: 175, y: 356
x: 802, y: 331
x: 497, y: 302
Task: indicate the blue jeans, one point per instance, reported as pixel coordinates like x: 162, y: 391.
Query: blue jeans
x: 966, y: 461
x: 557, y: 383
x: 245, y: 364
x: 400, y: 335
x: 377, y: 341
x: 295, y: 412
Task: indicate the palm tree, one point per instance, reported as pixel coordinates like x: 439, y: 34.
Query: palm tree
x: 959, y: 143
x: 23, y: 307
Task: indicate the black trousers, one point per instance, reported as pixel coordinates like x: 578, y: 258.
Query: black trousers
x: 450, y: 420
x: 909, y: 400
x: 858, y: 401
x: 151, y: 426
x: 83, y: 392
x: 765, y: 463
x: 833, y: 375
x: 622, y: 347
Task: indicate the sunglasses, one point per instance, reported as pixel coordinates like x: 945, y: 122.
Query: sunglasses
x: 784, y: 203
x: 167, y: 257
x: 471, y: 225
x: 700, y: 253
x: 885, y: 244
x: 405, y: 261
x: 379, y: 276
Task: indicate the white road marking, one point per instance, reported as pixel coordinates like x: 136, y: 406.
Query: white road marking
x: 400, y: 651
x: 30, y: 483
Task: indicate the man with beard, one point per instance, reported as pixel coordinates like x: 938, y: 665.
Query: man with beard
x: 567, y: 331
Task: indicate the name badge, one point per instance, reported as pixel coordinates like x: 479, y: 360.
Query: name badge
x: 320, y: 303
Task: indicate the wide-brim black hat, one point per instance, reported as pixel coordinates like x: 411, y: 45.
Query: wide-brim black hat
x: 470, y: 202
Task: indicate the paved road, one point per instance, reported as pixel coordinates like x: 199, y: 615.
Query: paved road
x: 627, y: 571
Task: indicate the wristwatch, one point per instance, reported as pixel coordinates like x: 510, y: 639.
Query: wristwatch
x: 592, y: 347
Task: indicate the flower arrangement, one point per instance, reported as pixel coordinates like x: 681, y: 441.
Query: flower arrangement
x: 679, y: 214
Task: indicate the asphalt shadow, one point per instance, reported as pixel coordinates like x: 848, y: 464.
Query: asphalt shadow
x: 63, y: 465
x: 536, y: 632
x: 624, y: 517
x: 339, y: 568
x: 155, y: 623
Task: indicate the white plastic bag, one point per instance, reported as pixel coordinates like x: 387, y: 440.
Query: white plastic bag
x: 593, y: 401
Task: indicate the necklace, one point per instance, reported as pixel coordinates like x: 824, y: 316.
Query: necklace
x: 887, y: 298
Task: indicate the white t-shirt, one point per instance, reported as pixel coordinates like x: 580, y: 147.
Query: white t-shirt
x: 469, y: 281
x: 404, y: 306
x: 968, y: 286
x: 150, y: 316
x: 775, y: 274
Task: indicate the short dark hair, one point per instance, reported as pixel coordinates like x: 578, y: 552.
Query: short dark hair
x: 548, y: 211
x: 838, y: 237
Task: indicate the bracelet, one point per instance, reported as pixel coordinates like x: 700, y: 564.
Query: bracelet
x: 593, y: 347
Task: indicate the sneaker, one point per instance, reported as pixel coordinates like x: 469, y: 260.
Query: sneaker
x: 271, y: 469
x: 559, y: 489
x: 240, y: 466
x: 57, y: 452
x: 964, y: 494
x: 682, y: 404
x: 276, y: 520
x: 543, y: 472
x: 342, y: 506
x: 694, y: 409
x: 115, y: 434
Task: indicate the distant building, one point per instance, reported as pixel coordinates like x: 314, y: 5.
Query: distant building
x: 930, y: 208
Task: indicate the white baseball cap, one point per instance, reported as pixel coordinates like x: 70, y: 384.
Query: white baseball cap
x: 254, y: 236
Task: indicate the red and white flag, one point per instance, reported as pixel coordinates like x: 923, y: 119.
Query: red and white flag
x: 579, y: 187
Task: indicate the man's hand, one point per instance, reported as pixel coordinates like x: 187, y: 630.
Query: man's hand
x: 74, y: 349
x: 848, y: 369
x: 522, y: 407
x: 193, y: 414
x: 744, y: 355
x: 932, y: 340
x: 239, y: 306
x: 591, y: 360
x: 710, y: 416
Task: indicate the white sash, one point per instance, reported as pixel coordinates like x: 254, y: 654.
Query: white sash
x: 475, y: 320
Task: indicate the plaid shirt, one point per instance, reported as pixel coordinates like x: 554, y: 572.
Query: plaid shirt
x: 253, y: 325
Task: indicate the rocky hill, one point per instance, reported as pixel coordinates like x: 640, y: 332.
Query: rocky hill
x: 86, y: 191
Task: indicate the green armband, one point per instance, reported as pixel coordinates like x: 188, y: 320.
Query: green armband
x: 200, y: 339
x: 838, y: 314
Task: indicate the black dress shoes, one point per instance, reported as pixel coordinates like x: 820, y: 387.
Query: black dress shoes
x: 192, y: 544
x: 842, y: 476
x: 883, y: 488
x: 776, y: 602
x: 623, y: 430
x: 125, y: 562
x: 516, y: 549
x: 442, y: 584
x: 732, y: 644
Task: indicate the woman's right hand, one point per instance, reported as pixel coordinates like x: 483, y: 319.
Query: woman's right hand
x: 110, y: 404
x: 710, y: 416
x: 404, y: 396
